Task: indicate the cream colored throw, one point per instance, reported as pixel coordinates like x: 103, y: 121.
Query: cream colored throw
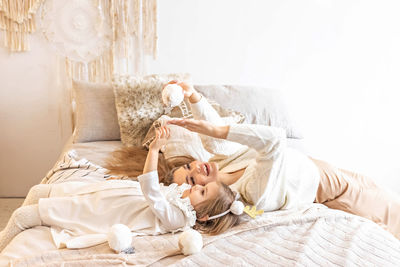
x: 310, y: 235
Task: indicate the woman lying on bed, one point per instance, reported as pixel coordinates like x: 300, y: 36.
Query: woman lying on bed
x: 272, y: 176
x: 81, y: 219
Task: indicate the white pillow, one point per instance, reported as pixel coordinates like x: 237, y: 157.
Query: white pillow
x: 182, y: 142
x: 259, y: 105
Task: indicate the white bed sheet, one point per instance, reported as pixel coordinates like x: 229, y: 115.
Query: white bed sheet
x: 312, y: 236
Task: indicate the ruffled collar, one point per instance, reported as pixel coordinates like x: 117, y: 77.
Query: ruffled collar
x: 173, y: 194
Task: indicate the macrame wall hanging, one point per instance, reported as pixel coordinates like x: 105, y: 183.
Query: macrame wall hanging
x: 101, y: 37
x: 96, y: 38
x: 17, y: 20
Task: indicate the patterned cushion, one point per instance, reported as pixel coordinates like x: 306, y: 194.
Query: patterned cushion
x: 138, y: 103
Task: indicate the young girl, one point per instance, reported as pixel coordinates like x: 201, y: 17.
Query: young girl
x: 80, y: 213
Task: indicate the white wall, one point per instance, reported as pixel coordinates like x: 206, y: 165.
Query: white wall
x: 338, y: 60
x: 34, y: 117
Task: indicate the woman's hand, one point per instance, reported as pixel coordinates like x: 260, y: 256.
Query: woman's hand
x: 160, y: 140
x: 202, y: 127
x: 188, y: 91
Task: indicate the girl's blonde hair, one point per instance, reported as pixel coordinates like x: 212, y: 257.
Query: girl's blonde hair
x: 215, y: 206
x: 129, y: 161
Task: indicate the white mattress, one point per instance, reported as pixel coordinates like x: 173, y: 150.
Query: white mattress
x: 312, y: 235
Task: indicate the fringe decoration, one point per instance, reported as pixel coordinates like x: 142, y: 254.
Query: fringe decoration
x: 17, y: 20
x: 134, y: 25
x: 134, y: 35
x: 150, y: 27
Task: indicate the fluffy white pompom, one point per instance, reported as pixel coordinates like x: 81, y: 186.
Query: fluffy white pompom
x: 120, y: 238
x: 237, y: 207
x: 190, y: 242
x: 172, y: 95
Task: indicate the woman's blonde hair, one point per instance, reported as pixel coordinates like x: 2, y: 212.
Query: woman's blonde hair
x: 129, y: 161
x: 215, y: 206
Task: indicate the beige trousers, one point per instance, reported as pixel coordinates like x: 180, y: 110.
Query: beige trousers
x: 357, y: 194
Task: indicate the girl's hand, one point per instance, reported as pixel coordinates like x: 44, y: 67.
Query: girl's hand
x: 188, y: 89
x: 202, y: 127
x: 160, y: 140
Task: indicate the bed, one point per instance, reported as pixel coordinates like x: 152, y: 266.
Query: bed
x: 311, y: 235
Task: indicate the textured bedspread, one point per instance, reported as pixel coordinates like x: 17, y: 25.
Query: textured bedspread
x: 309, y: 236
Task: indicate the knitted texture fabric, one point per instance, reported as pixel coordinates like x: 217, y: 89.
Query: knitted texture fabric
x: 37, y: 192
x: 22, y: 218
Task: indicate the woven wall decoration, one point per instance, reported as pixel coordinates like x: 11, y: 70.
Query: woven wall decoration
x: 101, y: 37
x: 80, y: 31
x: 97, y: 38
x: 17, y: 20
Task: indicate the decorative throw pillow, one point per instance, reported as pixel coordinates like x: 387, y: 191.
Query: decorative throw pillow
x: 95, y: 114
x: 138, y: 103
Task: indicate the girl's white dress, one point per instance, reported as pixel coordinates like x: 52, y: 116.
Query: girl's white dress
x: 80, y: 214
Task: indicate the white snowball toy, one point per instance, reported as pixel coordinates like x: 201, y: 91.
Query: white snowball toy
x: 172, y: 95
x: 190, y: 242
x: 120, y: 239
x: 237, y: 207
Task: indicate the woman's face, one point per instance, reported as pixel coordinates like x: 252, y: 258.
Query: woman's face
x: 197, y: 172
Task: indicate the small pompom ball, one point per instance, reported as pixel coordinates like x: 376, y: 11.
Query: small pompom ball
x: 172, y: 95
x: 237, y: 207
x: 190, y: 242
x: 120, y: 238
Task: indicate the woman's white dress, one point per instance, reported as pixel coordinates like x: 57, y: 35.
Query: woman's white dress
x: 81, y: 213
x: 276, y: 177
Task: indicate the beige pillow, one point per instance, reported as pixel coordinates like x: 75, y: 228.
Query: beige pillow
x: 95, y: 114
x: 258, y: 105
x: 229, y: 116
x: 139, y: 104
x: 181, y: 142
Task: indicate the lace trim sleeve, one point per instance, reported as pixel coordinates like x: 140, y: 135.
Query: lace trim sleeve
x: 173, y: 194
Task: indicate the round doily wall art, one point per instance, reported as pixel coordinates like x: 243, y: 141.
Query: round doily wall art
x: 77, y: 29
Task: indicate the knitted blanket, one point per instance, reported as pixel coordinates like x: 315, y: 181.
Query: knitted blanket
x: 308, y: 236
x: 311, y: 236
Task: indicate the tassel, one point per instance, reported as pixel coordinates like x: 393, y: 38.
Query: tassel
x: 17, y: 20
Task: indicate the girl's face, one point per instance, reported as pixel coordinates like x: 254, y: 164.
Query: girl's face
x: 196, y: 173
x: 199, y: 193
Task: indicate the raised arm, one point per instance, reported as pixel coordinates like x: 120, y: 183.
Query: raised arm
x: 264, y: 182
x: 202, y: 110
x: 264, y: 139
x: 170, y: 216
